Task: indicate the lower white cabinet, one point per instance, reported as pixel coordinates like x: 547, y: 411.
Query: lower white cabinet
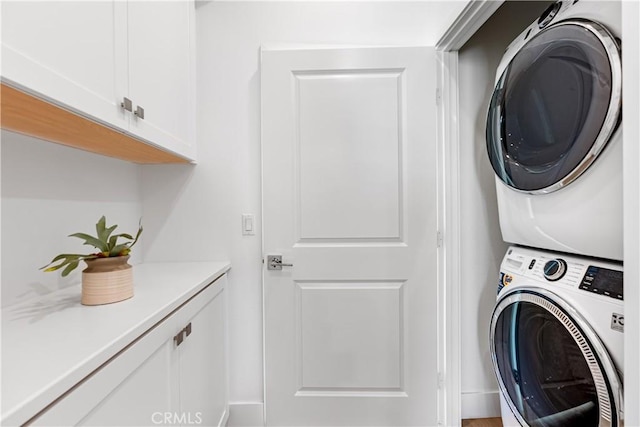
x: 174, y: 374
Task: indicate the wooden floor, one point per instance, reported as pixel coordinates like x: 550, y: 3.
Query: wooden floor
x: 482, y: 422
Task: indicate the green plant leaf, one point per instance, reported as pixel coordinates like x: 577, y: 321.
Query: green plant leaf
x: 115, y: 251
x: 91, y: 241
x: 72, y: 266
x: 102, y: 231
x: 108, y: 232
x: 62, y: 256
x: 137, y: 235
x: 114, y: 239
x: 67, y: 259
x: 112, y: 242
x: 101, y: 225
x: 106, y: 244
x: 125, y: 236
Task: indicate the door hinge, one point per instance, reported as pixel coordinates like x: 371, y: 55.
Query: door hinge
x: 440, y: 381
x: 438, y: 96
x: 440, y: 239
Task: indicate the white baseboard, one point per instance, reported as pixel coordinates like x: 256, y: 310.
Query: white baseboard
x: 474, y: 405
x: 245, y: 415
x: 484, y: 404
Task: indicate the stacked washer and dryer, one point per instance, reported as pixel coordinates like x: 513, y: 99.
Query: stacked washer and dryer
x: 554, y: 141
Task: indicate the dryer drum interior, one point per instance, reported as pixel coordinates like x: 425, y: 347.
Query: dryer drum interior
x: 552, y: 368
x: 555, y: 106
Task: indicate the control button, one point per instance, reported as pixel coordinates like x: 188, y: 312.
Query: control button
x: 533, y: 262
x: 555, y: 269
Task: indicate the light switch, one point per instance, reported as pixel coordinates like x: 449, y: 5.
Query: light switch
x: 248, y: 224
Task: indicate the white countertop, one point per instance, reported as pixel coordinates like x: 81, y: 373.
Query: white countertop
x: 51, y: 343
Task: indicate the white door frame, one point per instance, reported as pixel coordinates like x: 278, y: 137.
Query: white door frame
x: 468, y: 22
x: 631, y: 209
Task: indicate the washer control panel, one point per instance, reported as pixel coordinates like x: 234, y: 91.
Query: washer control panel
x: 524, y: 265
x: 603, y: 281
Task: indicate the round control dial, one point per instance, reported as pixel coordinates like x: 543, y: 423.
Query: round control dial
x: 555, y: 269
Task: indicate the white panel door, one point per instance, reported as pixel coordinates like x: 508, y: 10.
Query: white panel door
x: 71, y: 52
x: 349, y: 198
x: 162, y: 73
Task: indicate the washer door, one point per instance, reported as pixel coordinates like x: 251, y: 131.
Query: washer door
x: 551, y: 367
x: 555, y: 107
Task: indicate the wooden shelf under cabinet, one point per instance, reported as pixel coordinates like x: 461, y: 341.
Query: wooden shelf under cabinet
x: 29, y: 115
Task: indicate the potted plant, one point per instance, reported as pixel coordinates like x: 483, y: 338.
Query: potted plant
x: 108, y: 277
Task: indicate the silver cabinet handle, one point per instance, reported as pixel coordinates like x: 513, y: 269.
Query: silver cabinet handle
x: 139, y: 112
x: 274, y: 262
x: 127, y: 104
x: 179, y: 338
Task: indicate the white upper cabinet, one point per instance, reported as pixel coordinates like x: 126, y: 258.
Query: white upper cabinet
x: 161, y: 77
x: 72, y: 53
x: 90, y: 56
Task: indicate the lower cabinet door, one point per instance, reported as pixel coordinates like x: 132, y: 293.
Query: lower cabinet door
x: 136, y: 388
x: 146, y: 397
x: 158, y: 379
x: 203, y: 362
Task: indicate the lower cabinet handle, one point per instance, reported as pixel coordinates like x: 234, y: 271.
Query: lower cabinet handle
x: 187, y: 329
x: 179, y: 338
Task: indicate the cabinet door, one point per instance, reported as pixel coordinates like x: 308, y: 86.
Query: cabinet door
x: 72, y: 53
x: 138, y: 387
x: 144, y: 397
x: 203, y: 364
x: 162, y: 73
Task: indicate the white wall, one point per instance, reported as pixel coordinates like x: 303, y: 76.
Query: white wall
x: 481, y: 242
x: 48, y: 192
x: 194, y: 213
x: 631, y: 135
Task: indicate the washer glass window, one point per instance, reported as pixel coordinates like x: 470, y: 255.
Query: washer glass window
x: 543, y: 369
x: 554, y: 100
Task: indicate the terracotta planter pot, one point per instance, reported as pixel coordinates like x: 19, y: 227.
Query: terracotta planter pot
x: 107, y: 280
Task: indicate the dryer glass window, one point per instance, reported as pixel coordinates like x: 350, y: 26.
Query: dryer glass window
x: 543, y: 369
x: 549, y: 107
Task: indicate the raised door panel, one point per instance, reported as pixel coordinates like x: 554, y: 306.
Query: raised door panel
x: 162, y: 73
x: 71, y: 53
x: 203, y: 362
x: 351, y: 337
x: 348, y: 124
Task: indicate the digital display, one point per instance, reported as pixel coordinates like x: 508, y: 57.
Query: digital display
x: 603, y: 281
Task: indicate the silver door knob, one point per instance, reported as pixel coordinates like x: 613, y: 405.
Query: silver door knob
x: 274, y: 262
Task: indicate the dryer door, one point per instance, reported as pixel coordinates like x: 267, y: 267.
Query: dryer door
x: 552, y: 368
x: 555, y: 107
